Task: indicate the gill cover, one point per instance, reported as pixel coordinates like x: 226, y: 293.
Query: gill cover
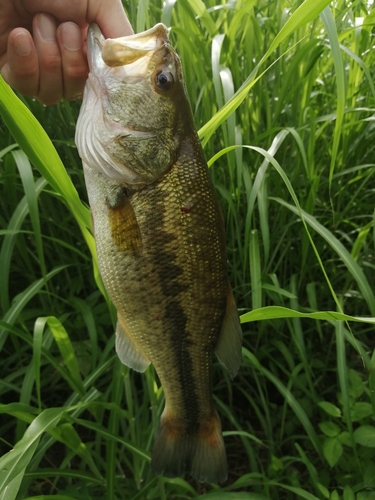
x: 125, y: 129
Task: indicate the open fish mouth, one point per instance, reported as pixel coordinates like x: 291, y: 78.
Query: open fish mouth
x: 128, y: 49
x: 132, y: 53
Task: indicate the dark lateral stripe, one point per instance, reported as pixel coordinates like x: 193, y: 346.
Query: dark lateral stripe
x: 183, y: 362
x: 173, y: 283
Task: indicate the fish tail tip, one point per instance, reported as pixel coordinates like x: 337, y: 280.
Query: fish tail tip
x: 201, y: 453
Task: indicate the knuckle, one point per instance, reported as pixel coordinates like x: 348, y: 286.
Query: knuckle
x: 76, y: 72
x: 75, y: 67
x: 25, y: 72
x: 50, y: 62
x: 26, y: 84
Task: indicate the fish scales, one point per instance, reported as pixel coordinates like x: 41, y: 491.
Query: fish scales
x: 184, y: 269
x: 161, y: 250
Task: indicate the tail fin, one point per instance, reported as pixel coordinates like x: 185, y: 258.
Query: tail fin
x: 201, y: 453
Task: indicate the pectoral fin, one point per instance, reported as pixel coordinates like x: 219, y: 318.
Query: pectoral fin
x: 123, y: 223
x: 228, y: 347
x: 128, y: 350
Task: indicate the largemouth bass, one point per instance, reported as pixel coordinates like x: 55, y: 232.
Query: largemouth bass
x: 160, y: 240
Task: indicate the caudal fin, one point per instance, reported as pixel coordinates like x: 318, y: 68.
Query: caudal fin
x: 201, y: 453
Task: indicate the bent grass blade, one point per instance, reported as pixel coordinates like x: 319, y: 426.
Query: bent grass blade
x: 14, y: 463
x: 13, y: 313
x: 9, y: 242
x: 278, y: 312
x: 307, y: 11
x: 34, y: 141
x: 66, y: 349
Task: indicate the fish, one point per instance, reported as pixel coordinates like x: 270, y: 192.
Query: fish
x: 160, y: 240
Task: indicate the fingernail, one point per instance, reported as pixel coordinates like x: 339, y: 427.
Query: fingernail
x: 71, y: 36
x: 22, y: 45
x: 47, y: 28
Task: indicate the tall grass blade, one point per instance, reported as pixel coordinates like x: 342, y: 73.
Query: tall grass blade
x: 307, y: 11
x: 14, y: 463
x: 255, y: 270
x: 66, y: 349
x: 38, y: 147
x: 15, y: 223
x: 31, y: 193
x: 22, y: 300
x: 341, y: 251
x: 37, y: 354
x: 166, y: 14
x: 330, y: 26
x: 277, y: 312
x: 34, y: 141
x: 289, y: 398
x: 143, y: 20
x: 11, y: 490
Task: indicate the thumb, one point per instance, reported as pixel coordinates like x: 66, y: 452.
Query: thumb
x: 112, y: 20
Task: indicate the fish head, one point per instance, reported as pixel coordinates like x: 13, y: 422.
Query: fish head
x: 128, y: 126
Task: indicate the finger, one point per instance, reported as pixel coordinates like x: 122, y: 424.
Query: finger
x: 109, y: 14
x: 50, y: 65
x: 112, y: 19
x: 74, y: 62
x: 22, y: 70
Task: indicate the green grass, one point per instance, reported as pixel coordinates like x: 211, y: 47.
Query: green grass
x: 283, y: 97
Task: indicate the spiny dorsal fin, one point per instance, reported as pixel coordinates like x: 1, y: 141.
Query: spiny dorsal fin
x: 128, y: 350
x: 228, y: 347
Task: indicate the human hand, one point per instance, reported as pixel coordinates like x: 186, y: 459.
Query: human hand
x: 42, y: 43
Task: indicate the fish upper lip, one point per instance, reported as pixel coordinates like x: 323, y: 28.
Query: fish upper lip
x: 106, y: 53
x: 126, y: 50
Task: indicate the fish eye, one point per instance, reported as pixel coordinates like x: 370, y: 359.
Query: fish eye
x: 164, y: 80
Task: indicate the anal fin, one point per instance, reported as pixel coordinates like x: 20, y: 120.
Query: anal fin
x: 128, y: 350
x: 228, y: 347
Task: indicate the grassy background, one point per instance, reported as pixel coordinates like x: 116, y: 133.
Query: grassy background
x: 283, y: 96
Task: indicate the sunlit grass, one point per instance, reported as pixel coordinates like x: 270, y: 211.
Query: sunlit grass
x: 283, y: 97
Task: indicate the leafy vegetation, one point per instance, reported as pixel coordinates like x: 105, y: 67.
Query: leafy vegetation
x: 283, y: 95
